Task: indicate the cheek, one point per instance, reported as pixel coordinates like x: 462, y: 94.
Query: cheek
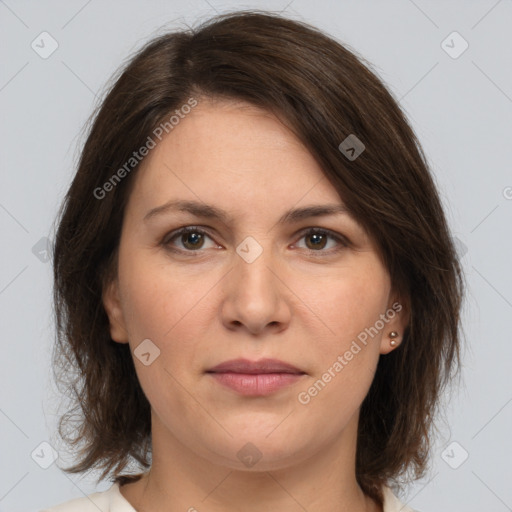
x: 158, y: 300
x: 172, y: 309
x: 159, y: 305
x: 347, y: 356
x: 351, y: 302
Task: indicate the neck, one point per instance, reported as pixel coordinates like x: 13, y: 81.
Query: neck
x: 179, y: 480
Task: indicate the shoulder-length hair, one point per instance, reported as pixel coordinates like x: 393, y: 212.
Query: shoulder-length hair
x: 324, y: 93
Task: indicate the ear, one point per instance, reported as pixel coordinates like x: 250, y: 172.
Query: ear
x: 114, y: 311
x: 397, y: 314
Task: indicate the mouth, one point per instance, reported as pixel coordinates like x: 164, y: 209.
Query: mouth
x: 262, y: 366
x: 255, y: 378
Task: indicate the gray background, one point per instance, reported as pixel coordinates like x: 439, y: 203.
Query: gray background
x: 461, y: 109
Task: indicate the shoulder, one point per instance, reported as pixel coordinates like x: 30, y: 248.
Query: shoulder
x: 392, y: 503
x: 110, y: 500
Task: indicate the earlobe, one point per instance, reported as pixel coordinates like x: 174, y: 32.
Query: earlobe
x: 393, y: 333
x: 114, y: 311
x: 390, y: 341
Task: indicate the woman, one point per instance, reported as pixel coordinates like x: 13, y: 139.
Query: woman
x: 254, y: 278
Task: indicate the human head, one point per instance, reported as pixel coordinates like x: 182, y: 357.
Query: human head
x: 323, y: 93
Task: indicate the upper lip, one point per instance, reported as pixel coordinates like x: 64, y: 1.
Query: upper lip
x: 254, y: 367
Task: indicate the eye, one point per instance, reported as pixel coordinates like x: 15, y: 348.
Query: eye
x: 191, y: 237
x: 317, y: 239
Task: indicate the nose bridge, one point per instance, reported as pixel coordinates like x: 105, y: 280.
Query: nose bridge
x: 252, y: 262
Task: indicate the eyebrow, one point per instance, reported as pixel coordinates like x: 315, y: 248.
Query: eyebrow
x: 212, y: 212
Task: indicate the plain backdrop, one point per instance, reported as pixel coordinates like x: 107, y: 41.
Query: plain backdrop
x: 459, y: 102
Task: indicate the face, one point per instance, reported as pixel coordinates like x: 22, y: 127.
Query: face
x: 309, y: 291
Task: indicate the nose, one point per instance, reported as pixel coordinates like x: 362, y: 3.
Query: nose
x: 255, y: 296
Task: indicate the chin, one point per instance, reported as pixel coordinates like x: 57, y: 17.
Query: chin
x: 256, y: 450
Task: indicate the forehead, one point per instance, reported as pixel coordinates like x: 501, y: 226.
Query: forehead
x: 235, y: 152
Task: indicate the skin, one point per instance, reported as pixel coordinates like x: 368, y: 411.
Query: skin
x: 297, y: 302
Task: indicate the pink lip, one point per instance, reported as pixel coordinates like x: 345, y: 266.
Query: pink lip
x: 255, y: 367
x: 255, y: 378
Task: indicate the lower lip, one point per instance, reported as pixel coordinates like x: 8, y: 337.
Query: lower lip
x: 260, y: 384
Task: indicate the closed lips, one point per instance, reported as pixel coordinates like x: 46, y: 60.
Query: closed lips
x: 264, y: 366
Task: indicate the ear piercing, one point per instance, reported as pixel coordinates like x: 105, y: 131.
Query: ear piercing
x: 393, y: 342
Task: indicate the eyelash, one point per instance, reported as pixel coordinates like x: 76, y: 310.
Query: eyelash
x: 194, y: 229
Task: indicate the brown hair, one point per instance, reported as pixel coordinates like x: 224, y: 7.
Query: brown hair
x: 324, y: 92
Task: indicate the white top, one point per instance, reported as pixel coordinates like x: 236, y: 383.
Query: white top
x: 112, y: 500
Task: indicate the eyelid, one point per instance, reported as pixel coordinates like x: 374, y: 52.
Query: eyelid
x: 181, y: 231
x: 342, y: 240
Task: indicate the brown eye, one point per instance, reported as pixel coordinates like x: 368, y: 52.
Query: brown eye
x: 192, y: 240
x: 317, y: 240
x: 187, y: 239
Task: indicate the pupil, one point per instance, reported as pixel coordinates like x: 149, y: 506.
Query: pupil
x: 196, y: 237
x: 318, y: 238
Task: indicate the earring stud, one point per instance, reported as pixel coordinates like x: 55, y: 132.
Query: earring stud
x: 393, y: 334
